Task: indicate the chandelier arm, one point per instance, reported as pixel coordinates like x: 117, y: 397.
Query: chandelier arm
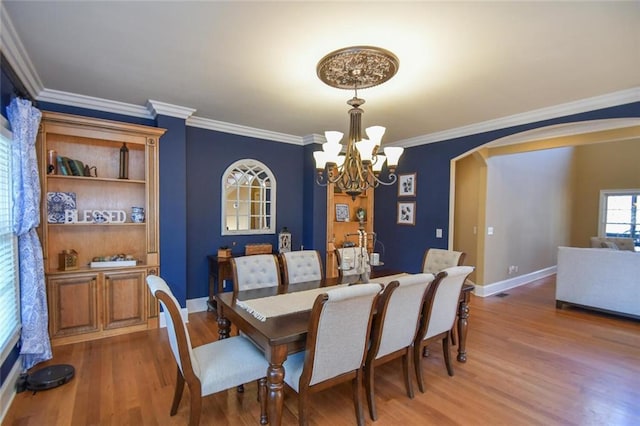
x: 320, y: 180
x: 393, y: 179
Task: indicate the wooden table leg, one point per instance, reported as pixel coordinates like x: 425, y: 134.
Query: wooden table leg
x: 224, y: 326
x: 463, y: 315
x: 275, y: 384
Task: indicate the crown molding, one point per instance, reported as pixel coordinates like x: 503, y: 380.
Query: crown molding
x: 16, y: 54
x: 236, y: 129
x: 313, y: 139
x: 589, y: 104
x: 89, y: 102
x: 162, y: 108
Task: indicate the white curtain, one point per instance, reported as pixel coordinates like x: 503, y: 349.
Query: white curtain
x: 24, y: 120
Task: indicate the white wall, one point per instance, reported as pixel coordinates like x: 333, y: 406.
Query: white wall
x: 528, y: 207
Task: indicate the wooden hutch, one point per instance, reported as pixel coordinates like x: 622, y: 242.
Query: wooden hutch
x: 120, y: 172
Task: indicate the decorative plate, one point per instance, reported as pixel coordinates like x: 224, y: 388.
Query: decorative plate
x: 57, y: 203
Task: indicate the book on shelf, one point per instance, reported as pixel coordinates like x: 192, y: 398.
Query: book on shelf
x: 77, y: 167
x: 62, y: 167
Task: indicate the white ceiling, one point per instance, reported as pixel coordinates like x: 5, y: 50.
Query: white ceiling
x: 253, y: 63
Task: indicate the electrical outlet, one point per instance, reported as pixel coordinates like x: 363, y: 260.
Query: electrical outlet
x: 438, y: 233
x: 490, y: 230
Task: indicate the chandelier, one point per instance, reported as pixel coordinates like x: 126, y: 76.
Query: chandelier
x: 359, y: 168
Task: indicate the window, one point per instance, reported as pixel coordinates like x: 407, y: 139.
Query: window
x: 619, y: 214
x: 248, y: 199
x: 9, y: 292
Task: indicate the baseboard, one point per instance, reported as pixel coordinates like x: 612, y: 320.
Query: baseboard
x: 8, y: 390
x: 500, y: 286
x: 197, y: 305
x: 163, y: 322
x: 193, y: 305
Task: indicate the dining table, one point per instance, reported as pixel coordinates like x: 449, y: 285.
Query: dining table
x: 282, y: 332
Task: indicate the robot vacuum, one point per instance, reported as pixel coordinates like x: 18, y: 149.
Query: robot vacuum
x: 50, y: 377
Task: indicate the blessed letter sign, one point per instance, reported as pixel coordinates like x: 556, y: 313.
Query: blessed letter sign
x: 95, y: 216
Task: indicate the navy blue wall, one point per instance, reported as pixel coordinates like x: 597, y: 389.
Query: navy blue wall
x: 6, y: 91
x: 209, y: 153
x: 173, y: 205
x: 405, y: 245
x: 315, y: 205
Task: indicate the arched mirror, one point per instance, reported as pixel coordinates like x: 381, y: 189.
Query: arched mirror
x: 248, y: 199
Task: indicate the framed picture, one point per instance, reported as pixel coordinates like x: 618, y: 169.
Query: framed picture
x: 407, y: 185
x: 407, y: 213
x: 342, y: 212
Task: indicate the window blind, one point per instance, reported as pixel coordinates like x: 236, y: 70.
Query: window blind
x: 9, y: 292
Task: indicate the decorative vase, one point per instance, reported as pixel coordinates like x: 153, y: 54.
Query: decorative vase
x: 137, y: 214
x: 124, y: 162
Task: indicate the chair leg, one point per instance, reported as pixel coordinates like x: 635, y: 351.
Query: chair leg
x: 452, y: 335
x: 303, y: 407
x: 406, y: 367
x: 447, y: 354
x: 369, y: 389
x: 357, y: 397
x: 177, y: 395
x: 196, y: 405
x: 417, y: 363
x: 262, y: 397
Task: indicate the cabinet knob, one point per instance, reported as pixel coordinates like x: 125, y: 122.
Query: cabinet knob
x: 152, y: 272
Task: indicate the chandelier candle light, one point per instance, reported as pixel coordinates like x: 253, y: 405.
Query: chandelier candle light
x: 359, y: 168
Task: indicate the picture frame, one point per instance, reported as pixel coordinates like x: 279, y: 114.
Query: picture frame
x: 342, y: 212
x: 407, y: 213
x: 407, y: 185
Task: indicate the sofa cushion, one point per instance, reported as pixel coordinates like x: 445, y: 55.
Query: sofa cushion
x: 621, y: 242
x: 609, y: 245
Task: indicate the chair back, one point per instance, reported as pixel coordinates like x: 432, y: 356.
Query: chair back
x: 351, y: 259
x: 399, y: 308
x: 255, y: 271
x: 339, y: 330
x: 178, y: 335
x: 436, y: 260
x: 301, y: 266
x: 442, y: 300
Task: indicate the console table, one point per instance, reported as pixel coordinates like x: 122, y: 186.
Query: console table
x: 219, y: 270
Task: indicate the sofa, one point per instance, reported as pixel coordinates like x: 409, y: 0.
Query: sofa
x: 616, y: 243
x: 598, y: 278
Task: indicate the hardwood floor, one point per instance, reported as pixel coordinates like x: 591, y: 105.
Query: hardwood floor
x: 528, y: 364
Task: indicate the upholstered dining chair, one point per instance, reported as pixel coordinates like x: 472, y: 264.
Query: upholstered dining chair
x: 394, y: 330
x: 300, y: 266
x: 336, y: 345
x: 212, y: 367
x: 255, y: 271
x: 435, y: 260
x: 439, y: 313
x: 350, y: 260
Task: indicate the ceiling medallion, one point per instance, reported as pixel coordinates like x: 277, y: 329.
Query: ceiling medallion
x: 357, y: 67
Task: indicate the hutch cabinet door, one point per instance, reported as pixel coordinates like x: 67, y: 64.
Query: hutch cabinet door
x: 125, y: 298
x: 73, y: 304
